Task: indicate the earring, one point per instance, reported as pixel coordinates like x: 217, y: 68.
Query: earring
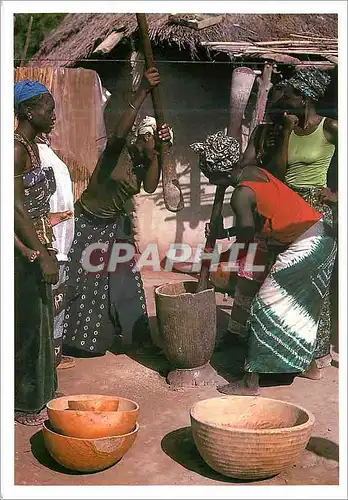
x: 29, y: 116
x: 306, y: 117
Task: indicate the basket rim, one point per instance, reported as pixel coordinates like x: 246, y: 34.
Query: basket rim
x: 160, y: 294
x: 310, y: 422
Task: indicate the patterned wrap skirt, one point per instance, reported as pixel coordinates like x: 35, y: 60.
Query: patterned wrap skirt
x: 102, y: 306
x: 59, y: 297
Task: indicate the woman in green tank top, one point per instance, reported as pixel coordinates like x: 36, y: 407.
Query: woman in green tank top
x: 307, y: 149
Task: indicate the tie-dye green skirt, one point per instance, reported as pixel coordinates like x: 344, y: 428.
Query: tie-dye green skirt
x: 285, y: 313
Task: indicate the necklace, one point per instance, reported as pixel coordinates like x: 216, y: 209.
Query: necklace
x: 33, y: 147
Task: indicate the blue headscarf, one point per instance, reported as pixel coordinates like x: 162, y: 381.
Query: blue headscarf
x: 26, y: 89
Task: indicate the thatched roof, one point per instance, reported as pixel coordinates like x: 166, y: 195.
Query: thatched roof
x: 76, y: 37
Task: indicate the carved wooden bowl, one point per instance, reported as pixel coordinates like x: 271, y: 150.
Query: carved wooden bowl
x: 87, y: 455
x: 92, y: 424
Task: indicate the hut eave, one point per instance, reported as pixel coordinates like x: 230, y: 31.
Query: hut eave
x: 77, y: 35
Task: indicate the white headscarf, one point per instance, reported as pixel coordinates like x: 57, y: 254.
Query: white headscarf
x: 149, y: 125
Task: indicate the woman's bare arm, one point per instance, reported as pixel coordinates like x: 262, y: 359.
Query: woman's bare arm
x: 281, y: 150
x: 123, y: 127
x: 242, y: 203
x: 23, y: 225
x: 110, y: 156
x: 249, y: 156
x: 153, y: 173
x: 331, y: 131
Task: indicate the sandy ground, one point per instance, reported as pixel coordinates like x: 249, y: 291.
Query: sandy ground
x: 164, y: 452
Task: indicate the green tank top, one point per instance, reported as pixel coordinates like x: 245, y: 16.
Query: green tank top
x: 309, y: 158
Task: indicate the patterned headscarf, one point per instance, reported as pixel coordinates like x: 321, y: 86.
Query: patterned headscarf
x: 219, y: 153
x: 26, y: 89
x: 311, y: 82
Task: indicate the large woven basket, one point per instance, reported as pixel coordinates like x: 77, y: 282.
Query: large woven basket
x: 250, y: 437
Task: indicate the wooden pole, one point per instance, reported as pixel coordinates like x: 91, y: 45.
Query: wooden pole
x: 264, y: 87
x: 211, y: 241
x: 297, y: 35
x: 26, y: 46
x: 242, y: 82
x: 172, y: 194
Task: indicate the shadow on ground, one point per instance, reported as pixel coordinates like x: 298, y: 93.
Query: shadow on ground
x: 180, y: 447
x: 324, y: 448
x: 228, y: 357
x: 41, y: 454
x: 226, y: 360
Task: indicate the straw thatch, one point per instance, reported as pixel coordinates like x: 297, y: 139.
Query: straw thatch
x: 78, y: 34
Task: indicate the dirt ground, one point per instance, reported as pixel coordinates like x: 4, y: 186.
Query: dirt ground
x: 164, y: 452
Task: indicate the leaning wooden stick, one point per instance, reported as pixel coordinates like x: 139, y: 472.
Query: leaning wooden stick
x: 211, y: 240
x: 242, y: 83
x: 262, y: 94
x: 172, y: 194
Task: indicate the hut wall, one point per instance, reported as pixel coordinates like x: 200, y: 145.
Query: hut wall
x: 195, y: 99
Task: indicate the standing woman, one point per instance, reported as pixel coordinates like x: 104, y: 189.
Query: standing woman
x: 103, y: 304
x: 309, y: 143
x: 35, y: 372
x: 62, y: 204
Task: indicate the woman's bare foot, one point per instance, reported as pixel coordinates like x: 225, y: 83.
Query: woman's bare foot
x: 33, y: 419
x: 313, y: 372
x: 324, y: 361
x: 58, y: 394
x: 57, y: 217
x: 247, y: 386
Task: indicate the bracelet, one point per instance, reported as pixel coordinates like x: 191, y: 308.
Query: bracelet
x: 132, y: 106
x: 52, y: 249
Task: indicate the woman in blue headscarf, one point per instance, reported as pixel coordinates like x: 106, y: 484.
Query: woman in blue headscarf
x: 35, y: 372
